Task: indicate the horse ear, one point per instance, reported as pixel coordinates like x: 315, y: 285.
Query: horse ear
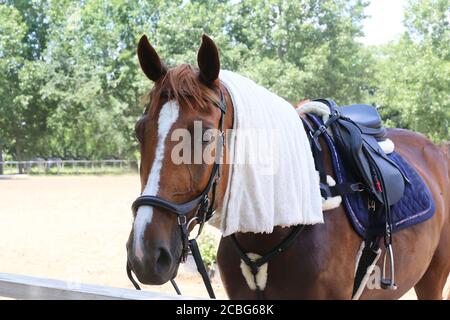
x: 208, y: 60
x: 149, y: 60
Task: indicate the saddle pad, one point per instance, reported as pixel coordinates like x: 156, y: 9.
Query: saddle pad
x: 416, y: 205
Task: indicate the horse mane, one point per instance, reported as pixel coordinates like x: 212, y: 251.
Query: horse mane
x: 183, y: 85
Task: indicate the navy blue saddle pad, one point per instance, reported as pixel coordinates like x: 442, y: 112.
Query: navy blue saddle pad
x: 416, y: 205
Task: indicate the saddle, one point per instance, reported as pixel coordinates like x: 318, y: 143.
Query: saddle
x: 357, y: 130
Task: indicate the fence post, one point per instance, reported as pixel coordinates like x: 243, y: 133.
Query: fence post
x: 1, y: 157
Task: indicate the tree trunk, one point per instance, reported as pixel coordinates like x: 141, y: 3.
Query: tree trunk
x: 1, y: 158
x: 19, y: 158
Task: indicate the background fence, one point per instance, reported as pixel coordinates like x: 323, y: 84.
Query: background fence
x: 59, y: 166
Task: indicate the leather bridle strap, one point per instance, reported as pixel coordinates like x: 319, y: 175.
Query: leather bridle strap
x: 130, y: 276
x: 201, y: 267
x: 137, y: 287
x: 205, y: 209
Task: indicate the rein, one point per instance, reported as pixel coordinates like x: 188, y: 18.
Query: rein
x: 204, y: 206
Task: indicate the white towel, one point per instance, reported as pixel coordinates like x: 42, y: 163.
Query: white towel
x: 282, y: 187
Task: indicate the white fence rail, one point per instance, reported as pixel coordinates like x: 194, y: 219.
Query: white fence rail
x: 68, y: 166
x: 32, y: 288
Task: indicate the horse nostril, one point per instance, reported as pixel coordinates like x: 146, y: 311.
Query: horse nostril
x: 163, y: 261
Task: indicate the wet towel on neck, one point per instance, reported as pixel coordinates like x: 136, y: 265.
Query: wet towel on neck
x: 272, y: 180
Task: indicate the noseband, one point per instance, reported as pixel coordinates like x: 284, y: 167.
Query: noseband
x: 202, y: 203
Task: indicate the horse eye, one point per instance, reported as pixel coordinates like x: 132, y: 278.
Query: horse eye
x: 139, y: 129
x: 208, y: 137
x: 165, y: 95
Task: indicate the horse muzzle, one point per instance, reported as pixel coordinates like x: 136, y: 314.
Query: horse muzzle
x: 155, y: 267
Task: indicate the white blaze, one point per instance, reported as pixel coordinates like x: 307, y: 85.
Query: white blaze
x: 167, y: 117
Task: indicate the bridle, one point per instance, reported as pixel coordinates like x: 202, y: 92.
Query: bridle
x: 202, y: 203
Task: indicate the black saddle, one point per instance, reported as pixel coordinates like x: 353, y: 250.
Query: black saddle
x: 357, y: 130
x: 367, y: 118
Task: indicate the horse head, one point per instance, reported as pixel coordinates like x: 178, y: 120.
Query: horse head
x: 181, y: 136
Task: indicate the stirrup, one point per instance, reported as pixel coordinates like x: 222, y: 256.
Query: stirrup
x: 388, y: 283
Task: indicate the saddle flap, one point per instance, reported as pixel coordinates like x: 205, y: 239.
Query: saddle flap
x: 350, y: 143
x: 363, y: 152
x: 391, y: 178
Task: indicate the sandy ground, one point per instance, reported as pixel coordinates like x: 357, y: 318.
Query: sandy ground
x: 75, y: 229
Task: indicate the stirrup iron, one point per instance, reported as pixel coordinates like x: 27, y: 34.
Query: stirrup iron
x: 388, y: 283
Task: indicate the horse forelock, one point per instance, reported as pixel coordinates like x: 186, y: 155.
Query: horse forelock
x: 181, y: 84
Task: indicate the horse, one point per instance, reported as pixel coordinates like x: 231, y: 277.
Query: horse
x: 320, y: 262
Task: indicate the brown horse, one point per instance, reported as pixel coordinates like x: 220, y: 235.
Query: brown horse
x: 320, y: 264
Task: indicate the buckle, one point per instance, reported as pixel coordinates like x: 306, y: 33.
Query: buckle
x: 357, y: 187
x: 203, y: 208
x: 316, y: 141
x: 326, y: 191
x: 371, y: 205
x: 321, y: 130
x: 181, y: 220
x: 333, y: 117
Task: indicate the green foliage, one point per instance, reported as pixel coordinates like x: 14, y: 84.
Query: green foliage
x: 412, y: 75
x: 71, y: 86
x: 73, y: 170
x: 428, y: 22
x: 208, y: 243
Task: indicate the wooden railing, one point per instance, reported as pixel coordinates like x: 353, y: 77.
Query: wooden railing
x: 33, y: 288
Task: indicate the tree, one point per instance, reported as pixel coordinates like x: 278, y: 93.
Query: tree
x: 308, y: 46
x: 71, y: 85
x: 24, y: 36
x: 412, y: 74
x: 12, y: 119
x: 79, y: 79
x: 427, y: 22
